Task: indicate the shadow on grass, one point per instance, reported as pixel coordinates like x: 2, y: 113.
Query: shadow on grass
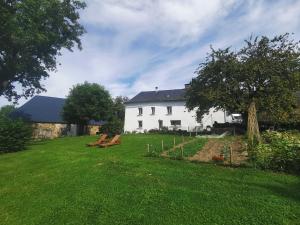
x: 38, y: 142
x: 277, y: 187
x: 290, y: 191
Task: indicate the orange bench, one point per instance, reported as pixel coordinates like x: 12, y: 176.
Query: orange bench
x: 115, y: 141
x: 101, y: 140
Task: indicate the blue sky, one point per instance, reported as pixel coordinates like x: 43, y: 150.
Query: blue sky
x: 135, y: 45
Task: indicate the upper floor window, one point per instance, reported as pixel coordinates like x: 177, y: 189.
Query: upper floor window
x: 140, y: 111
x: 169, y: 110
x: 152, y: 110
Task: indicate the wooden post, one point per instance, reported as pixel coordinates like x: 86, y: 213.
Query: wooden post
x: 148, y: 148
x: 230, y: 155
x: 174, y: 142
x: 182, y: 151
x: 162, y: 145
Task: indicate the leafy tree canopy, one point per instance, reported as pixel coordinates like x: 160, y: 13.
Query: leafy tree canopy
x: 114, y: 124
x: 87, y: 102
x: 119, y: 107
x: 262, y: 75
x: 32, y: 35
x: 6, y: 110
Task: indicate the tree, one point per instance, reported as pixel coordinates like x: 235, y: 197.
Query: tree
x: 263, y: 76
x: 119, y: 107
x: 6, y: 110
x: 114, y: 125
x: 15, y: 133
x: 32, y: 35
x: 87, y: 102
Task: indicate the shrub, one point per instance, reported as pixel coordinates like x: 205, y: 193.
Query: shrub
x: 14, y: 134
x: 112, y: 127
x: 279, y: 152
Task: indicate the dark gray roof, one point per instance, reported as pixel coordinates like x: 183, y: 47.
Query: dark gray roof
x: 158, y: 96
x: 44, y: 109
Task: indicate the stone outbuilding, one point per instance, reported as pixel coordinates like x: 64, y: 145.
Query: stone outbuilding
x: 45, y: 114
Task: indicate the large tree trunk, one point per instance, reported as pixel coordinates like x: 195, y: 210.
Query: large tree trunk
x: 252, y: 125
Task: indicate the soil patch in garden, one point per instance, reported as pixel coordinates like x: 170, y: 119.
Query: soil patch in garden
x: 214, y: 147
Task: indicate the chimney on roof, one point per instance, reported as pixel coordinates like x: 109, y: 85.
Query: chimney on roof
x: 156, y: 89
x: 186, y: 86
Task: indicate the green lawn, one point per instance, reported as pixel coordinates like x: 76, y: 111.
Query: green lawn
x: 188, y: 149
x: 63, y: 182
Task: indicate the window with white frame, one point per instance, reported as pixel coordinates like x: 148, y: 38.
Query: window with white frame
x: 175, y: 122
x: 140, y: 124
x: 152, y: 110
x: 169, y: 110
x: 140, y: 111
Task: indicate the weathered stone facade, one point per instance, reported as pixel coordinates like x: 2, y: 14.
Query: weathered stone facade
x: 48, y: 130
x: 93, y: 129
x: 55, y: 130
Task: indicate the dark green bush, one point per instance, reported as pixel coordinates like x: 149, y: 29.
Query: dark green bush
x: 14, y: 134
x: 280, y: 151
x: 112, y: 127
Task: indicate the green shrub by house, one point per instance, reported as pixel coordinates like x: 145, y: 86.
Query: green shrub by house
x: 14, y: 134
x: 279, y: 152
x: 112, y: 127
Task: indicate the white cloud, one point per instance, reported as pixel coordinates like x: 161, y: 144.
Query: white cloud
x: 172, y: 23
x: 135, y: 45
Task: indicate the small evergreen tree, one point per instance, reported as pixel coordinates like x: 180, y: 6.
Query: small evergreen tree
x: 15, y: 134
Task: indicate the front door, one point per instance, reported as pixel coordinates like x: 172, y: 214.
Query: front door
x: 160, y: 124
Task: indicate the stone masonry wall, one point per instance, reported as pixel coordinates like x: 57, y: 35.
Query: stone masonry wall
x: 55, y: 130
x: 48, y: 130
x: 92, y: 130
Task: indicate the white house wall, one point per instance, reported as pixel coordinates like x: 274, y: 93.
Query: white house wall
x: 179, y: 112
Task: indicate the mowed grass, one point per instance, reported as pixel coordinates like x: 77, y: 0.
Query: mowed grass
x: 63, y: 182
x: 159, y: 143
x: 188, y: 149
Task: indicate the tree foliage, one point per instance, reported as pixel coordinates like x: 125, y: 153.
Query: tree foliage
x: 112, y: 126
x: 264, y: 75
x: 6, y: 110
x: 119, y: 107
x: 14, y: 133
x: 115, y: 123
x: 32, y: 35
x: 87, y: 102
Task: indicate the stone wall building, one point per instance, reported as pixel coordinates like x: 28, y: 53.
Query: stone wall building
x: 45, y: 114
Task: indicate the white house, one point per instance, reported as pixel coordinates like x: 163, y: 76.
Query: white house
x: 166, y: 108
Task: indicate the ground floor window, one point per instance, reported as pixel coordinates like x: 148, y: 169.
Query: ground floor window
x: 140, y: 123
x: 160, y: 124
x: 175, y: 122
